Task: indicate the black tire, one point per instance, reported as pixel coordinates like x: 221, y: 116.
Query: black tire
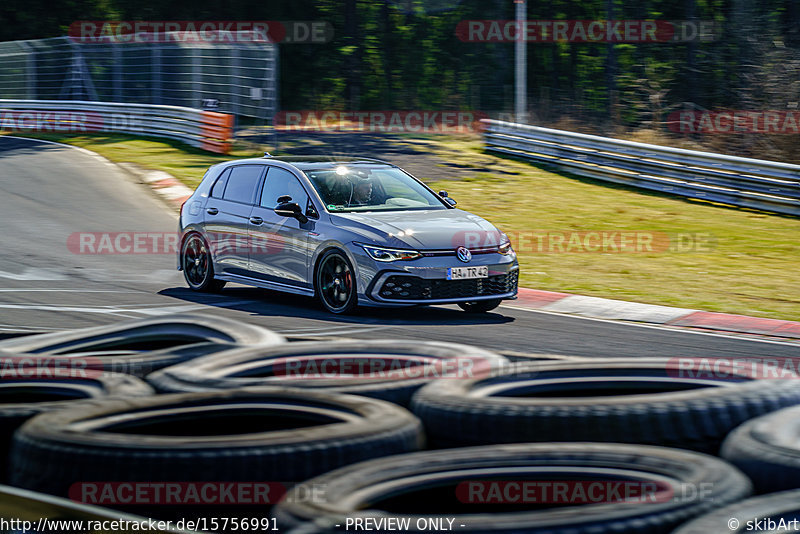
x: 273, y: 366
x: 767, y: 450
x: 141, y: 364
x: 734, y: 518
x: 429, y: 484
x: 335, y: 282
x: 279, y: 435
x: 141, y: 335
x: 24, y: 397
x: 198, y: 266
x: 645, y: 401
x: 480, y: 306
x: 516, y: 356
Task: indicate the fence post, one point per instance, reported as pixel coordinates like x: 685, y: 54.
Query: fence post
x: 195, y: 101
x: 236, y: 72
x: 116, y: 73
x: 30, y: 67
x: 155, y: 93
x: 77, y: 77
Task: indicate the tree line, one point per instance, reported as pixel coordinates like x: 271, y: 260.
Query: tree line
x: 406, y: 54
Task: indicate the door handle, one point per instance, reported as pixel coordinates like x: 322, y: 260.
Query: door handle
x: 256, y: 220
x: 212, y: 211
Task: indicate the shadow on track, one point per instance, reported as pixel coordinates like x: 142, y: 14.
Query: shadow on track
x: 265, y: 303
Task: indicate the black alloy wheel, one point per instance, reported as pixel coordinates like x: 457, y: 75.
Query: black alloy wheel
x: 336, y: 285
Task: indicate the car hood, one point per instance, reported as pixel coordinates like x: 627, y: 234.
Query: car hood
x: 422, y: 230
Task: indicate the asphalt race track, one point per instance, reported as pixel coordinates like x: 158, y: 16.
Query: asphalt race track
x: 48, y: 192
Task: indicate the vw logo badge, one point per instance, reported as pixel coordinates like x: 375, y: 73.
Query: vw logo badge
x: 463, y: 254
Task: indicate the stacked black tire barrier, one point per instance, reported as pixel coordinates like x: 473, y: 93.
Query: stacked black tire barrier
x: 24, y: 397
x: 40, y: 373
x: 767, y: 449
x: 276, y: 435
x: 240, y: 404
x: 384, y: 369
x: 620, y: 400
x: 781, y: 508
x: 427, y: 484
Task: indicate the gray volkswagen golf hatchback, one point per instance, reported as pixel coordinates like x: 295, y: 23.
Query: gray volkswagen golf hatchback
x: 353, y: 231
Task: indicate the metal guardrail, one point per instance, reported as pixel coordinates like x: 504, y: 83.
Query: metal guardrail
x: 751, y: 183
x: 208, y: 130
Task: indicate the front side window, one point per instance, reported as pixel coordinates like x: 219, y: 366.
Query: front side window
x: 360, y: 188
x: 280, y: 182
x: 242, y: 183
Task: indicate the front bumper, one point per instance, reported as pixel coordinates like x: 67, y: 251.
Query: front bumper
x: 396, y: 287
x: 424, y: 280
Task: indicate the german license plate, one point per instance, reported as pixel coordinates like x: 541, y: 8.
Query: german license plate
x: 462, y: 273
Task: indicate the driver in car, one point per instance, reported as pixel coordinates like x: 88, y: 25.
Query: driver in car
x: 362, y: 192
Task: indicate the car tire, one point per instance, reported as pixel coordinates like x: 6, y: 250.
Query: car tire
x: 198, y: 265
x: 766, y: 449
x: 432, y: 483
x: 27, y: 396
x: 265, y: 366
x: 648, y: 401
x: 280, y: 435
x: 480, y: 306
x: 734, y: 518
x: 335, y: 282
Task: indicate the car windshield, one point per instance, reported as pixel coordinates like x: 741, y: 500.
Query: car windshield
x: 359, y: 188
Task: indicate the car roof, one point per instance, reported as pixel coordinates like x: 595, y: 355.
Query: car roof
x: 315, y: 162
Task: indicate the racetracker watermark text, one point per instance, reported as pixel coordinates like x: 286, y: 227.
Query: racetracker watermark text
x: 734, y: 122
x: 577, y: 492
x: 532, y: 242
x: 67, y: 121
x: 65, y: 367
x: 756, y: 368
x: 199, y: 31
x: 419, y: 121
x: 589, y: 241
x: 586, y: 31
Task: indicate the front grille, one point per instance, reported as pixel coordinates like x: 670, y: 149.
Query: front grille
x: 400, y: 287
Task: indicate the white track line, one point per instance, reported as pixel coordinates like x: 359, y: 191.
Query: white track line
x: 789, y: 341
x: 60, y: 290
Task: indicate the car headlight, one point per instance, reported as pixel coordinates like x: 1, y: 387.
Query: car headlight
x: 505, y: 245
x: 390, y: 254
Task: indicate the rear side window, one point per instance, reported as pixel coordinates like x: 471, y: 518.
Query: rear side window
x: 242, y: 183
x: 219, y: 185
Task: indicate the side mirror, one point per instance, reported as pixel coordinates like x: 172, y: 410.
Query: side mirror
x: 290, y: 209
x: 447, y: 198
